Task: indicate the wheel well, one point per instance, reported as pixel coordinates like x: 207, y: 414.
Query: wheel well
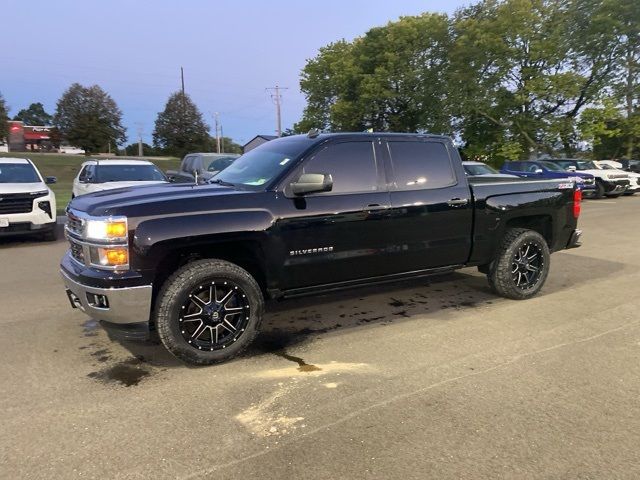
x: 538, y: 223
x: 247, y: 255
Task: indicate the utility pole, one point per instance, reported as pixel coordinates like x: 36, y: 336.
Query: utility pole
x: 140, y: 151
x: 277, y: 98
x: 222, y: 137
x: 215, y: 119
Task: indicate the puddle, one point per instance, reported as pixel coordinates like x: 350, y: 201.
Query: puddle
x: 90, y: 327
x: 302, y: 365
x: 127, y: 373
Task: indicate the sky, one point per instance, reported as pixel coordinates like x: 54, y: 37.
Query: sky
x: 231, y: 52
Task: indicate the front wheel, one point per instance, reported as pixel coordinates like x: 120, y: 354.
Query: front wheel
x: 208, y: 311
x: 521, y: 265
x: 600, y: 190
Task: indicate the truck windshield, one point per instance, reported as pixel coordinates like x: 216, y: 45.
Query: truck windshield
x: 262, y: 164
x: 18, y: 173
x: 128, y: 173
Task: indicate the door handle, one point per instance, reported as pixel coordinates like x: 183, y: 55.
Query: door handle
x: 375, y: 206
x: 458, y: 202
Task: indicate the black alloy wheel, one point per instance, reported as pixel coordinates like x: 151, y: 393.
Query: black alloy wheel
x: 214, y: 315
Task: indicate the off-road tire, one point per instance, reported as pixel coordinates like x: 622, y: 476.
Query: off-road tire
x: 176, y: 289
x: 501, y: 275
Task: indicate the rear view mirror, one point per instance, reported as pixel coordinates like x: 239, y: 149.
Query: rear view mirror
x: 312, y: 183
x: 50, y: 180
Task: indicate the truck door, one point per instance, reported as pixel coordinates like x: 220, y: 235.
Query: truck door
x: 342, y: 234
x: 432, y: 209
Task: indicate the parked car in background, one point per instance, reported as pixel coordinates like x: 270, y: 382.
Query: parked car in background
x: 634, y: 178
x: 98, y: 175
x: 544, y: 169
x: 479, y: 169
x: 206, y: 165
x: 630, y: 165
x: 27, y: 205
x: 71, y: 150
x: 610, y: 184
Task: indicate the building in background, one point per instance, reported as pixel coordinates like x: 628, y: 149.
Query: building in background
x: 256, y: 142
x: 29, y: 138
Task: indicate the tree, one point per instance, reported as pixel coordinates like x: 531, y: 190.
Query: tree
x: 389, y: 79
x: 180, y: 128
x: 87, y: 117
x: 529, y: 68
x: 34, y: 115
x: 4, y: 117
x: 131, y: 150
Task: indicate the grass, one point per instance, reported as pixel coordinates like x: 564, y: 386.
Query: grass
x: 66, y: 167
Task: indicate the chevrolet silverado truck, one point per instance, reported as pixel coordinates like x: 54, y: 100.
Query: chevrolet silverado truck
x: 194, y: 264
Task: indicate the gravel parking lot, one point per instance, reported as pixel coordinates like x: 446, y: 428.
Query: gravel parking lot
x: 437, y: 379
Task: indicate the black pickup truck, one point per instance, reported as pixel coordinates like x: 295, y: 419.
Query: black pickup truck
x: 300, y: 215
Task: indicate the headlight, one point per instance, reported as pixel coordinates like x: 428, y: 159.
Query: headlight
x: 109, y: 256
x: 112, y: 229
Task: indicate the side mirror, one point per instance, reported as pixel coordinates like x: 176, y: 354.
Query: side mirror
x: 571, y: 169
x: 312, y: 183
x: 50, y: 180
x: 537, y: 170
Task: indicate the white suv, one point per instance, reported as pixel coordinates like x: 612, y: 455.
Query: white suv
x: 99, y: 175
x: 27, y: 205
x: 634, y: 177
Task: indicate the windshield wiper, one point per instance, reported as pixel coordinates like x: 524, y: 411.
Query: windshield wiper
x: 219, y: 181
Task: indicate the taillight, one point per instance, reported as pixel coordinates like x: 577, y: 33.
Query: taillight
x: 577, y: 198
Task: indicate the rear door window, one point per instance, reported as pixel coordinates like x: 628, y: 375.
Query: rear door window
x: 421, y: 165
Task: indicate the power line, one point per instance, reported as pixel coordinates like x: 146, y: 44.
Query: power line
x: 277, y: 98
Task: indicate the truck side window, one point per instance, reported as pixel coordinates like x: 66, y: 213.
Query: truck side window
x: 352, y: 166
x: 419, y: 165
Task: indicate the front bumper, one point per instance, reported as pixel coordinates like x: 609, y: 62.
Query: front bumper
x: 123, y: 305
x: 26, y: 228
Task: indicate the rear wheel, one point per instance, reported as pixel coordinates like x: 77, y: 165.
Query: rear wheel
x: 208, y: 311
x: 600, y: 190
x: 521, y: 265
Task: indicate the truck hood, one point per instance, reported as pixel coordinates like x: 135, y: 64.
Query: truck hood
x: 7, y: 188
x: 151, y: 200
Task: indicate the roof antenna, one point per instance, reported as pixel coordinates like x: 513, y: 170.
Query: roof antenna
x: 313, y: 133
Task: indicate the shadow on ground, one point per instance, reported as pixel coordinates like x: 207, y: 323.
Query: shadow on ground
x: 295, y: 323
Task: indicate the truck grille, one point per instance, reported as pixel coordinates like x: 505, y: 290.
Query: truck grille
x: 74, y: 224
x: 77, y: 251
x: 16, y: 203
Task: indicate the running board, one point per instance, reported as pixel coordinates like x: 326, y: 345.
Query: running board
x: 361, y: 282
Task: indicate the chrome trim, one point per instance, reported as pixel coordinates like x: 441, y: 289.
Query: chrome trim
x: 126, y: 305
x: 86, y: 253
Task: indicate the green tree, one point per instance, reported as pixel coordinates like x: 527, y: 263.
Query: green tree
x: 528, y: 68
x: 180, y: 128
x: 89, y: 118
x: 392, y: 78
x: 131, y: 150
x: 34, y: 115
x: 4, y: 117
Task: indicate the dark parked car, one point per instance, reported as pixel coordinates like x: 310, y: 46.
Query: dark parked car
x: 206, y: 165
x: 543, y: 169
x: 301, y: 215
x: 630, y: 165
